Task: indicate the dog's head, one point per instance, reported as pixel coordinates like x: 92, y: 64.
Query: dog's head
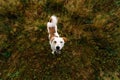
x: 57, y: 43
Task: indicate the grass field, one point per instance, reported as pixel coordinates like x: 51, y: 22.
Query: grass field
x: 92, y: 52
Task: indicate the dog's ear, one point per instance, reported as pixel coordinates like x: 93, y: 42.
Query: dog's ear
x: 65, y: 39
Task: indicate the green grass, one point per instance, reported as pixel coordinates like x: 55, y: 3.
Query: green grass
x: 92, y: 52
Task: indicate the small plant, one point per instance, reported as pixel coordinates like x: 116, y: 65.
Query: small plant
x: 13, y: 75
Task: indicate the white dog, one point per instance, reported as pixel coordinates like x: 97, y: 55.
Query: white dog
x: 56, y: 42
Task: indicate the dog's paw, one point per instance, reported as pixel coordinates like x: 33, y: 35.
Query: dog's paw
x: 53, y: 52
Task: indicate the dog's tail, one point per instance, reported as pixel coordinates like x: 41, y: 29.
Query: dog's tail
x: 53, y: 19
